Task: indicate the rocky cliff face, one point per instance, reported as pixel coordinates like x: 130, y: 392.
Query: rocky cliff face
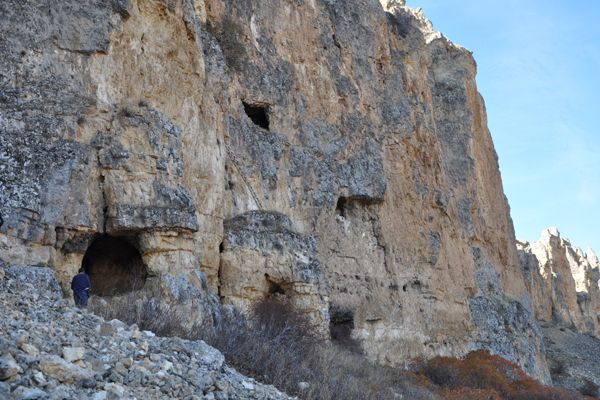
x: 563, y: 281
x: 333, y: 152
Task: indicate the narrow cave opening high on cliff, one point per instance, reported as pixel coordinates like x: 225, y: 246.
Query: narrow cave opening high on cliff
x: 114, y: 265
x: 258, y: 114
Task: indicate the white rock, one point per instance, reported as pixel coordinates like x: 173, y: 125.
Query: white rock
x: 116, y: 389
x: 303, y: 386
x: 167, y: 365
x: 23, y: 393
x: 8, y: 367
x: 38, y: 378
x: 30, y: 349
x: 102, y: 395
x: 22, y: 337
x: 247, y: 385
x: 72, y: 354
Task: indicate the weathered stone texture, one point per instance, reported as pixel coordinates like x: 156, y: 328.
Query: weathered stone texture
x: 375, y: 188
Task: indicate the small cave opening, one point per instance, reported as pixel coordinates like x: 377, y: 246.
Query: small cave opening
x: 415, y: 284
x: 114, y: 266
x: 341, y: 207
x: 341, y: 325
x: 346, y: 204
x: 274, y: 288
x: 259, y: 114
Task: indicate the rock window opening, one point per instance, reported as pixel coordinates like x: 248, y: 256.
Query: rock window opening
x: 258, y: 114
x: 341, y: 324
x: 114, y: 265
x: 274, y: 287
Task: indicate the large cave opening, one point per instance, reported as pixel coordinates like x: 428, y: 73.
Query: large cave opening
x: 114, y: 265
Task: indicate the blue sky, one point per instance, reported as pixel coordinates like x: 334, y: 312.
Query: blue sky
x: 539, y: 73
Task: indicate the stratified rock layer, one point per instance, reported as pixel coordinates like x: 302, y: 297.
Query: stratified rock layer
x: 333, y: 152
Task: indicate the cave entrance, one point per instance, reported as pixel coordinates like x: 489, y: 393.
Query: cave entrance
x: 259, y: 114
x: 114, y: 265
x: 341, y: 325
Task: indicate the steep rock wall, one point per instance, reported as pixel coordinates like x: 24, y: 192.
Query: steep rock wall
x: 333, y: 151
x: 563, y: 282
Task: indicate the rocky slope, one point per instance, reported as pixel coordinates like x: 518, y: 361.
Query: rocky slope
x: 51, y: 350
x: 574, y: 358
x: 204, y: 150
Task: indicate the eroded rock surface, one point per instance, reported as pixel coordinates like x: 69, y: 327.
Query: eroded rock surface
x: 171, y: 124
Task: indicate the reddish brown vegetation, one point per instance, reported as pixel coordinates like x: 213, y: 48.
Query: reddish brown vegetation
x: 482, y: 376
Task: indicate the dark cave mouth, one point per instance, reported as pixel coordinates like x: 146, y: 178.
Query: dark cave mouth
x: 115, y: 266
x: 258, y: 114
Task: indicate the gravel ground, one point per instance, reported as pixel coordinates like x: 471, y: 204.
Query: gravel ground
x: 51, y: 350
x: 574, y: 358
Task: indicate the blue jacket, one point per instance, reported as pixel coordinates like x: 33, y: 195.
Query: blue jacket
x: 80, y: 282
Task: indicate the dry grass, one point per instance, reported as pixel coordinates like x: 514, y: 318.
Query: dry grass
x: 277, y: 345
x: 148, y: 313
x: 482, y: 375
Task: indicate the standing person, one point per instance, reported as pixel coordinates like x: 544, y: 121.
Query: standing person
x: 81, y: 288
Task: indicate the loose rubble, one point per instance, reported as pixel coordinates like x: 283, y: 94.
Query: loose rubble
x: 573, y: 357
x: 51, y: 350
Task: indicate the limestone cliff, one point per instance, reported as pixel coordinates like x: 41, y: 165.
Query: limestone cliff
x: 563, y: 282
x: 335, y: 152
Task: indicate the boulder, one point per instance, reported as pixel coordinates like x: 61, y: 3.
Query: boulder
x: 62, y: 370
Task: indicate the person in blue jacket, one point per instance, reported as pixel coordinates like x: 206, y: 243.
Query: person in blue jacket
x: 81, y: 288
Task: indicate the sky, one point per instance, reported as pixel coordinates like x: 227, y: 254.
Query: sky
x: 539, y: 73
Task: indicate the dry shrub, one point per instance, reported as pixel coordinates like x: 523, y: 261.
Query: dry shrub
x: 279, y: 345
x: 557, y: 367
x: 589, y: 388
x: 471, y: 394
x: 482, y: 371
x: 149, y: 314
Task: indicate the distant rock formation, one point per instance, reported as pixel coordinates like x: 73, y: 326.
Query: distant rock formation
x: 563, y: 282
